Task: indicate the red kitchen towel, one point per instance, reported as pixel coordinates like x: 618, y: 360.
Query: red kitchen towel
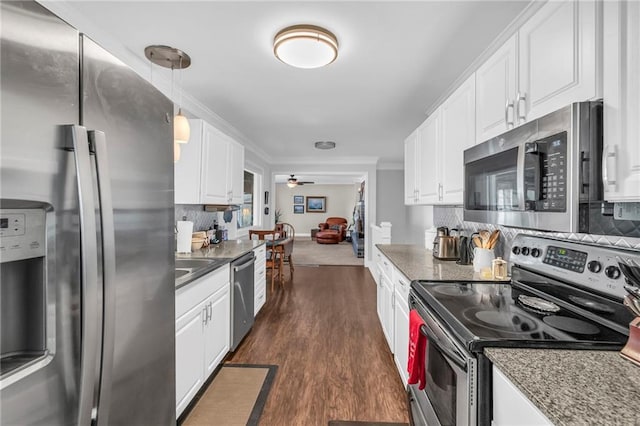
x: 417, y: 351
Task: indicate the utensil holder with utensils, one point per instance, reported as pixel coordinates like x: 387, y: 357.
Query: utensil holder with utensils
x: 631, y: 350
x: 631, y: 271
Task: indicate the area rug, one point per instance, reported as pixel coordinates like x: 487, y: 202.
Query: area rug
x: 353, y: 423
x: 236, y: 396
x: 307, y: 252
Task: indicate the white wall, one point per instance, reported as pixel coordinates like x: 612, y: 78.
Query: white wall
x: 340, y: 202
x: 409, y: 222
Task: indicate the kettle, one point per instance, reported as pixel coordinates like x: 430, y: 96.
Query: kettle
x: 445, y: 246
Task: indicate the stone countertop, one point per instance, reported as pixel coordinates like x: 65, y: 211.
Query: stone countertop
x: 417, y: 263
x: 231, y: 249
x: 224, y: 252
x: 573, y: 387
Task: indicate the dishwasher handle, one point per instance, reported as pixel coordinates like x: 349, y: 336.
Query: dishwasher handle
x: 245, y: 265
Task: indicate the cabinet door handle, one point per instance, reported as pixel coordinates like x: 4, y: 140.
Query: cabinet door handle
x: 401, y: 283
x: 205, y: 317
x: 522, y: 97
x: 609, y: 168
x: 210, y: 311
x: 508, y: 105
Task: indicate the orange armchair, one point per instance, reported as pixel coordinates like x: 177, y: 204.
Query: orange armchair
x: 337, y: 224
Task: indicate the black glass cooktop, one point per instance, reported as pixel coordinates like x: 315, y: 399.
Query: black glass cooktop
x: 514, y: 315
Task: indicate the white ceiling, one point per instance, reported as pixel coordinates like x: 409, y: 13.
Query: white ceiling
x: 396, y: 59
x: 323, y: 179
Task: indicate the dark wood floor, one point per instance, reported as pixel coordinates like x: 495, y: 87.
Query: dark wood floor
x: 323, y: 332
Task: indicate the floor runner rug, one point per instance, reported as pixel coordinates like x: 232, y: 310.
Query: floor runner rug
x: 236, y: 396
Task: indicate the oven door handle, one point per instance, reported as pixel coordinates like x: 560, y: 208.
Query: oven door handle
x: 450, y: 354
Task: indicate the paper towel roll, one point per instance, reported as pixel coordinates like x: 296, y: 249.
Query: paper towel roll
x: 185, y: 229
x: 429, y: 236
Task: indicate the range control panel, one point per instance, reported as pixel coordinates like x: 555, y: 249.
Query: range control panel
x: 22, y: 234
x: 585, y: 265
x: 572, y: 260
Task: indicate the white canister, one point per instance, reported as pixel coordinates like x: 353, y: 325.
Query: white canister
x: 482, y: 258
x: 429, y: 237
x: 185, y: 229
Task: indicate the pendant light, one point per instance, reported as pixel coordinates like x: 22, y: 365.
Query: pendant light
x: 170, y: 57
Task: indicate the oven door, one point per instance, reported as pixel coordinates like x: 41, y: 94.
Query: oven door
x: 449, y: 397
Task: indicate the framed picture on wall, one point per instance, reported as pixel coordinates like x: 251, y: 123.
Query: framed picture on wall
x: 316, y: 204
x: 298, y: 199
x: 298, y: 208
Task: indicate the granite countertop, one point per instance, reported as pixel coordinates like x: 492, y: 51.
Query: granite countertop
x: 418, y: 263
x: 574, y: 387
x: 231, y: 249
x: 220, y: 254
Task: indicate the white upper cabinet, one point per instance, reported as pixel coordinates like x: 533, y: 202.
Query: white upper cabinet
x: 621, y: 87
x: 496, y: 89
x: 434, y: 152
x: 210, y: 169
x: 410, y: 165
x: 429, y: 168
x: 458, y: 114
x: 215, y: 154
x: 558, y: 54
x: 235, y: 172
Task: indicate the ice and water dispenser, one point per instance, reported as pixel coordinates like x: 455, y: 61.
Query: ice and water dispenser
x: 23, y: 289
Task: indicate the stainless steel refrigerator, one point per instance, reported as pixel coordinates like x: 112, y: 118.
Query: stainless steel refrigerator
x: 86, y: 232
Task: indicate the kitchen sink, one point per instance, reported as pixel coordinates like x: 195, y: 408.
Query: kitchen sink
x: 188, y: 270
x: 182, y: 272
x: 194, y: 263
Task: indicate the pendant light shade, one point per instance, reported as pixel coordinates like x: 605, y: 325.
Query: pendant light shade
x: 170, y: 57
x: 181, y: 129
x: 305, y: 46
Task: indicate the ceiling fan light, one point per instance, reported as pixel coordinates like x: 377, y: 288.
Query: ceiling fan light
x: 181, y: 129
x: 292, y: 184
x: 305, y: 46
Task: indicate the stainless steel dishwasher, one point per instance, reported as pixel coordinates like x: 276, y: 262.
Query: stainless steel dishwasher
x: 241, y: 298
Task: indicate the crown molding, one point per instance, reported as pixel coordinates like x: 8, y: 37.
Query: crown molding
x: 509, y: 31
x: 159, y: 78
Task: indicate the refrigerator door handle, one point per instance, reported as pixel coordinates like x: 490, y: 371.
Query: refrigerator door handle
x: 98, y: 145
x: 78, y: 143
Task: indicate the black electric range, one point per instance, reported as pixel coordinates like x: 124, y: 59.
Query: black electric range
x: 564, y: 295
x: 569, y: 295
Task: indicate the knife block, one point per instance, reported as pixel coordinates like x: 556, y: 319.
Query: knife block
x: 631, y: 350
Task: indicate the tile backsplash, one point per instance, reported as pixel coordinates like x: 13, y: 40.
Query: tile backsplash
x: 452, y: 217
x: 203, y: 220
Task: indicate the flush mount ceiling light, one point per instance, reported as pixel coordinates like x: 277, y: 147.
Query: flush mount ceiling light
x: 170, y: 57
x: 325, y: 145
x: 305, y: 46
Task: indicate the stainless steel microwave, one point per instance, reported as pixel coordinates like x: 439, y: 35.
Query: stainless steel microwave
x: 541, y: 175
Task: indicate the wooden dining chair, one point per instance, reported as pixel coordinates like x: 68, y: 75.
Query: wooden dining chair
x: 288, y: 232
x: 275, y: 253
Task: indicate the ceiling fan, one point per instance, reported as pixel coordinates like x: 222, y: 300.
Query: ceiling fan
x: 292, y: 182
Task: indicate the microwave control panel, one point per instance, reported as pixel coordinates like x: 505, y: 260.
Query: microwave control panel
x: 546, y: 174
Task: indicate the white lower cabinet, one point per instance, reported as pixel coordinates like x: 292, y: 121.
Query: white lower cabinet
x: 393, y: 310
x: 259, y: 279
x: 401, y: 325
x: 511, y: 407
x: 387, y: 309
x: 203, y: 315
